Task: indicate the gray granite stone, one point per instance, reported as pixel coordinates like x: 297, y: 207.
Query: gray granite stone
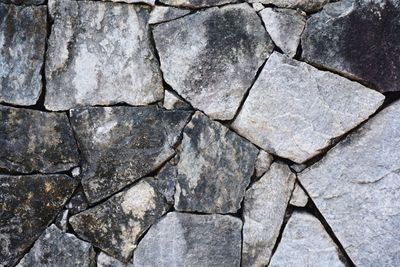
x: 23, y: 2
x: 306, y: 5
x: 104, y: 260
x: 299, y: 198
x: 172, y: 101
x: 197, y: 3
x: 263, y: 162
x: 183, y: 239
x: 165, y: 13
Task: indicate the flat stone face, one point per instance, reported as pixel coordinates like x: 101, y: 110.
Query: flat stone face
x: 285, y: 27
x: 23, y: 33
x: 295, y: 110
x: 263, y: 162
x: 214, y: 169
x: 34, y: 141
x: 23, y: 2
x: 56, y: 248
x: 306, y: 5
x: 299, y: 197
x: 122, y: 144
x: 115, y: 225
x: 99, y: 54
x: 182, y: 239
x: 264, y: 210
x: 213, y: 57
x: 104, y: 260
x: 172, y: 101
x: 28, y: 204
x: 197, y: 3
x: 356, y: 188
x: 150, y: 2
x: 164, y: 13
x: 305, y: 243
x: 358, y: 38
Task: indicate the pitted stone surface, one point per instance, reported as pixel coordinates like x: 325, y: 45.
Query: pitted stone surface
x: 306, y: 5
x: 213, y: 57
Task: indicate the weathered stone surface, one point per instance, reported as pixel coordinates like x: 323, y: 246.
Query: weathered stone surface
x: 305, y: 243
x: 22, y: 44
x: 295, y: 110
x: 356, y: 187
x: 197, y: 3
x: 23, y: 2
x: 56, y: 248
x: 99, y: 54
x: 77, y: 203
x: 214, y: 168
x: 213, y: 57
x: 182, y: 239
x: 263, y: 162
x: 285, y: 27
x: 104, y: 260
x: 115, y: 225
x: 28, y: 204
x: 258, y: 7
x: 299, y: 197
x: 306, y: 5
x: 149, y: 2
x: 164, y: 13
x: 264, y: 210
x: 32, y: 141
x: 122, y: 144
x: 358, y: 38
x: 164, y: 182
x: 172, y: 101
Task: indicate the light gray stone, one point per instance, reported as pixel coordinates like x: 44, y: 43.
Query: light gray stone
x: 264, y: 210
x: 172, y: 101
x: 197, y: 3
x: 213, y: 56
x: 258, y: 7
x: 182, y: 239
x: 55, y: 248
x: 285, y: 27
x: 115, y: 225
x: 104, y: 260
x: 23, y: 31
x: 149, y: 2
x: 263, y: 162
x: 356, y: 187
x: 100, y: 54
x: 214, y: 168
x: 305, y: 243
x: 119, y: 145
x: 165, y: 13
x: 299, y: 197
x: 295, y: 110
x: 306, y: 5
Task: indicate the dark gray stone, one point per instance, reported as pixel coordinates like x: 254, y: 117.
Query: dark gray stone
x: 27, y: 206
x: 197, y: 3
x: 23, y: 2
x: 358, y: 38
x: 77, y: 203
x: 35, y: 141
x: 122, y: 144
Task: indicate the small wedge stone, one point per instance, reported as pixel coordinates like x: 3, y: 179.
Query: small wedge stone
x: 263, y: 162
x: 299, y: 197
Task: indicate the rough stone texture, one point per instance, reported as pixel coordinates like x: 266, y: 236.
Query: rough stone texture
x: 305, y: 243
x: 264, y: 210
x: 182, y: 239
x: 295, y: 110
x: 115, y: 225
x: 23, y: 2
x: 214, y: 169
x: 306, y: 5
x: 258, y: 7
x: 358, y: 38
x: 22, y: 47
x: 122, y: 144
x: 213, y: 57
x: 299, y: 197
x: 100, y: 54
x: 263, y: 162
x: 356, y: 187
x: 172, y: 101
x: 32, y: 141
x: 197, y: 3
x: 164, y: 13
x: 77, y: 203
x: 149, y: 2
x: 28, y: 204
x: 56, y: 248
x: 285, y: 27
x: 104, y: 260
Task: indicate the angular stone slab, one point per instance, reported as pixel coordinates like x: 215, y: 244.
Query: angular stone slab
x: 56, y: 248
x: 197, y: 3
x: 115, y: 225
x: 357, y: 38
x: 305, y: 243
x: 149, y: 2
x: 122, y: 144
x: 172, y: 101
x: 100, y: 54
x: 306, y: 5
x: 285, y: 27
x: 214, y: 169
x: 35, y: 141
x: 23, y: 2
x: 295, y: 110
x: 23, y: 33
x: 183, y: 239
x: 213, y: 57
x: 104, y: 260
x: 264, y: 210
x: 299, y: 198
x: 356, y: 188
x: 164, y: 13
x: 28, y: 204
x: 263, y: 162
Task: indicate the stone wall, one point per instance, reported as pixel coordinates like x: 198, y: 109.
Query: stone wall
x: 200, y: 133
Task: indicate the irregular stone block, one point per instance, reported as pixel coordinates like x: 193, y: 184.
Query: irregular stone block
x: 214, y: 168
x: 100, y: 54
x: 213, y: 57
x: 165, y: 13
x: 23, y: 2
x: 306, y: 5
x: 182, y: 239
x: 104, y: 260
x: 122, y: 144
x: 28, y: 204
x: 149, y: 2
x: 33, y: 141
x: 23, y: 33
x: 358, y: 38
x: 172, y: 101
x: 356, y: 188
x: 295, y: 110
x: 263, y: 162
x: 299, y: 197
x: 197, y: 3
